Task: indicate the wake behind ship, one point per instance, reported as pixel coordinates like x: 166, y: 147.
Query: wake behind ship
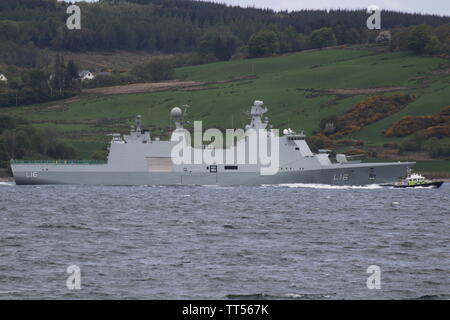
x: 136, y: 159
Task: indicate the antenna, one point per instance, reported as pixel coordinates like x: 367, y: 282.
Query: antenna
x: 185, y: 107
x: 138, y: 125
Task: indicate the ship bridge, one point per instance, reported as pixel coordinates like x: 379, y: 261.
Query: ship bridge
x: 256, y: 112
x: 296, y: 136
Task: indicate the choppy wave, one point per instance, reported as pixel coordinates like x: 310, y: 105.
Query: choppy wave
x: 175, y: 242
x: 322, y: 186
x: 7, y: 183
x: 443, y: 296
x: 287, y: 296
x: 216, y: 186
x: 9, y: 291
x: 416, y: 188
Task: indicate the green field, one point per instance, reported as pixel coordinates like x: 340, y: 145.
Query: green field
x: 432, y: 165
x: 280, y: 82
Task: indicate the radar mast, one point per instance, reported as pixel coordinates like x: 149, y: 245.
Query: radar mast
x: 177, y: 115
x: 258, y: 109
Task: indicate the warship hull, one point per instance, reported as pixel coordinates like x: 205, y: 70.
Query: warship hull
x: 136, y: 159
x: 337, y: 174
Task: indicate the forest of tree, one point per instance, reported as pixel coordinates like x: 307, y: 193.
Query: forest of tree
x: 175, y: 25
x: 19, y: 140
x: 37, y: 85
x: 196, y: 31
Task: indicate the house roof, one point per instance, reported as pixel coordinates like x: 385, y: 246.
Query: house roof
x: 83, y: 73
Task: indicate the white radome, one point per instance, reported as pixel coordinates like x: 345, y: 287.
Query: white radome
x: 176, y: 112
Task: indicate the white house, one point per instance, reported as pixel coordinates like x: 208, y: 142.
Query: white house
x: 3, y: 78
x: 384, y: 36
x: 86, y: 75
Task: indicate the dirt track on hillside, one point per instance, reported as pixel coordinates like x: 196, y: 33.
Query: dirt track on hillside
x: 352, y: 91
x: 162, y: 86
x: 144, y: 87
x: 364, y: 91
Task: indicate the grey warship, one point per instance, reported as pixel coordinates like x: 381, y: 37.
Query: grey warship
x: 137, y: 159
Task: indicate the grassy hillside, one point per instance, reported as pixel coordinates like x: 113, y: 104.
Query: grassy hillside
x: 292, y: 86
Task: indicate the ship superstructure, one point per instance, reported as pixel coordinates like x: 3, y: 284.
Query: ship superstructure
x: 137, y: 159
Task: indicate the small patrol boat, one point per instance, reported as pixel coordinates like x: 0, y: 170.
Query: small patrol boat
x: 415, y: 180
